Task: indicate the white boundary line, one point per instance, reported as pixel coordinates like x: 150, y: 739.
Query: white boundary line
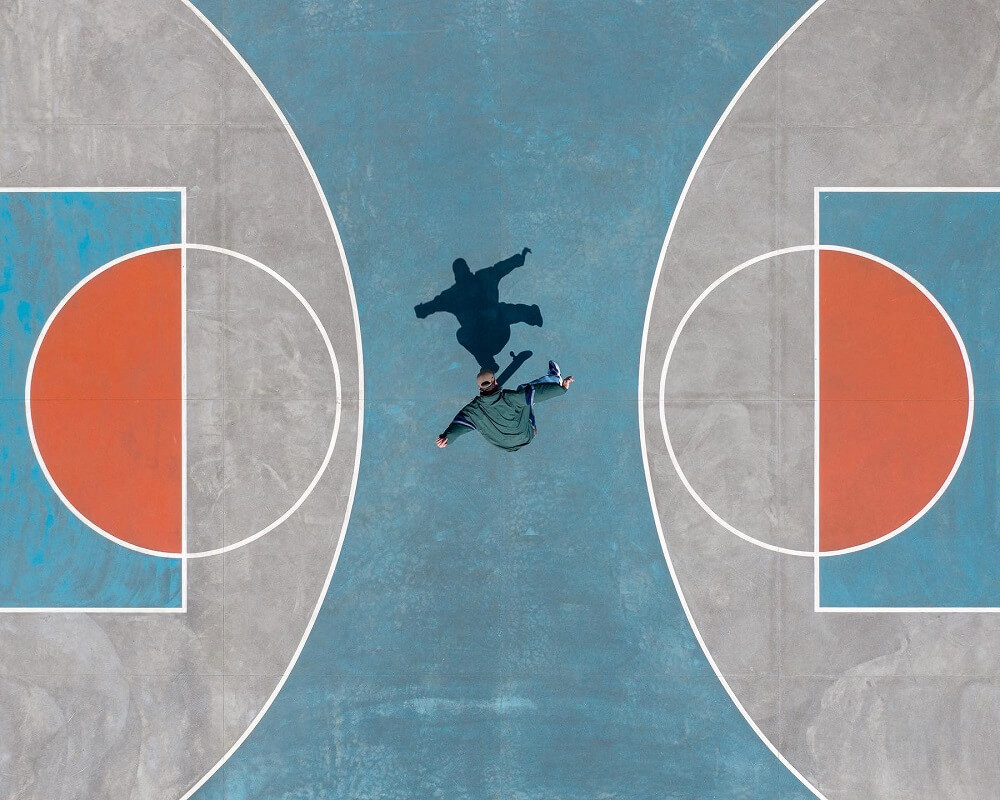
x: 182, y: 190
x: 361, y: 390
x: 816, y: 389
x: 184, y: 555
x: 911, y: 189
x: 641, y: 400
x: 815, y: 553
x: 94, y: 189
x: 123, y: 610
x: 339, y: 401
x: 907, y: 610
x: 184, y: 404
x: 817, y: 607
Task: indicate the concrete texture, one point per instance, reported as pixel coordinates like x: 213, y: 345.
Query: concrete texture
x: 878, y: 706
x: 142, y: 705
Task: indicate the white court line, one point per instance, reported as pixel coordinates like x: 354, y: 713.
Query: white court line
x: 339, y: 402
x: 71, y: 189
x: 182, y: 190
x: 906, y: 610
x: 263, y: 531
x: 27, y: 398
x: 184, y: 403
x: 817, y: 607
x: 361, y: 394
x: 124, y: 610
x: 815, y: 553
x: 642, y: 432
x: 917, y: 189
x: 816, y: 390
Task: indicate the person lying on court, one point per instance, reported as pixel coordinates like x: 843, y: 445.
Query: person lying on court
x: 505, y: 417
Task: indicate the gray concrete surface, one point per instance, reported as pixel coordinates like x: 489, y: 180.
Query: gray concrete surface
x: 141, y: 93
x: 887, y: 93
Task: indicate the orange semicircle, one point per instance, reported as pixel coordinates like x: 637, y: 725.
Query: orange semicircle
x: 893, y: 400
x: 105, y: 400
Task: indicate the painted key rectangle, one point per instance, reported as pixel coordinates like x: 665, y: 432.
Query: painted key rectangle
x: 53, y: 239
x: 944, y: 240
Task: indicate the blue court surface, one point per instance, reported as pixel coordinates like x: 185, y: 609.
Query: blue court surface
x: 503, y: 626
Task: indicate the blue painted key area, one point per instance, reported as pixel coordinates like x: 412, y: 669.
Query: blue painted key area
x: 49, y: 241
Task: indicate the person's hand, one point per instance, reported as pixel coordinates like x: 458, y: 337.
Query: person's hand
x: 567, y: 381
x: 442, y: 441
x: 525, y: 251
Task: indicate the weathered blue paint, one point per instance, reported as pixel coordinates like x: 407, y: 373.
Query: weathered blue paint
x: 50, y: 241
x: 948, y: 242
x: 503, y: 626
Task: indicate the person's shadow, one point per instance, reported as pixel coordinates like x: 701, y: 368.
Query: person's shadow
x: 483, y: 321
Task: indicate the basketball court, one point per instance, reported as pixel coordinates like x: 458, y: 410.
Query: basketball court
x: 751, y: 554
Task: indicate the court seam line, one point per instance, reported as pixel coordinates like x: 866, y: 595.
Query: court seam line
x: 641, y: 401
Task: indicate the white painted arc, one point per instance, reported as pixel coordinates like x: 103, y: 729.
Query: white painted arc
x: 815, y: 553
x: 27, y: 400
x: 361, y: 386
x: 312, y: 484
x: 338, y: 398
x: 641, y: 404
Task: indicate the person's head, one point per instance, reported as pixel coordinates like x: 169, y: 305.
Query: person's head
x: 461, y: 269
x: 486, y: 380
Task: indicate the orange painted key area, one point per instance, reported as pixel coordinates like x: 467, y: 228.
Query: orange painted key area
x: 894, y: 400
x: 105, y: 400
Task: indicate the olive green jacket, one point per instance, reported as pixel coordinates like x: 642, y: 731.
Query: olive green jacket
x: 504, y: 417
